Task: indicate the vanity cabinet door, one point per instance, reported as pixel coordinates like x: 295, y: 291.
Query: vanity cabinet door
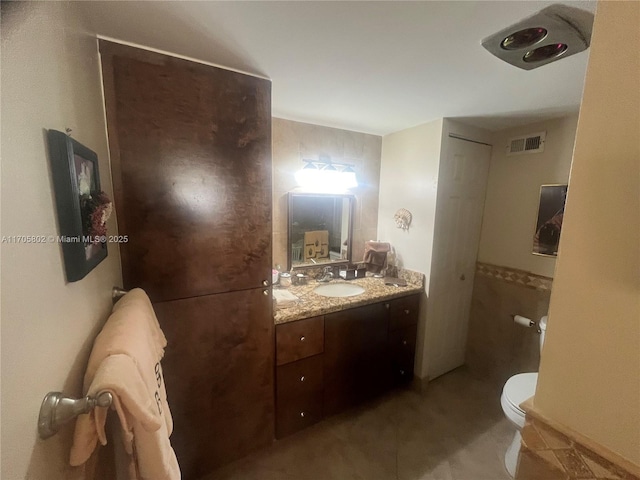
x: 218, y: 369
x: 403, y: 351
x: 356, y: 356
x: 298, y: 395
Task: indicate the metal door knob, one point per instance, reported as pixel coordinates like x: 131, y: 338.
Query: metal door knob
x: 302, y: 414
x: 302, y: 378
x: 265, y: 283
x: 265, y: 292
x: 387, y: 306
x: 404, y: 342
x: 302, y: 338
x: 406, y: 312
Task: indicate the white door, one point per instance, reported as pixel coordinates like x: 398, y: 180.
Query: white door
x: 462, y: 182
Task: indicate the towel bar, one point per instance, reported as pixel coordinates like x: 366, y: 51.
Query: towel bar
x: 117, y: 293
x: 57, y: 409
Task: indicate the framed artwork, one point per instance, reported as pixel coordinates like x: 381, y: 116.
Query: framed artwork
x: 82, y: 207
x: 549, y: 222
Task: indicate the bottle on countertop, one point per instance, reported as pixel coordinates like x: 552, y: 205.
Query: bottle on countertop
x: 285, y: 279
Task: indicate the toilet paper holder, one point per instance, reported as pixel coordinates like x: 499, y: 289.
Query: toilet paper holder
x: 526, y: 322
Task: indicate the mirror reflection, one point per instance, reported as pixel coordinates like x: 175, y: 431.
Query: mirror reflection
x: 320, y: 228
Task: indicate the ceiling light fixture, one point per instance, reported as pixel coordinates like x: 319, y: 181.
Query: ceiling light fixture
x: 555, y: 32
x: 544, y: 53
x: 524, y: 38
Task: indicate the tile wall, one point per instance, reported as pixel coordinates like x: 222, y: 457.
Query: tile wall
x: 498, y: 348
x: 547, y: 454
x: 293, y: 141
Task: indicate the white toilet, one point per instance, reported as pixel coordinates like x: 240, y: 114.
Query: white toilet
x: 517, y: 389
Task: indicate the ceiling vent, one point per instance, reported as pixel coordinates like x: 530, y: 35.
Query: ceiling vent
x: 531, y: 143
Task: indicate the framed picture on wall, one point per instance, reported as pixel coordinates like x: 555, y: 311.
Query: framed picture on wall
x: 549, y: 222
x: 82, y: 207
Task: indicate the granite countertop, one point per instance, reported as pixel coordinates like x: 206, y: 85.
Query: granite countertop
x: 311, y: 304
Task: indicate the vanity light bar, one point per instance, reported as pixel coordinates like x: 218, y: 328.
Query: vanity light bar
x: 323, y: 176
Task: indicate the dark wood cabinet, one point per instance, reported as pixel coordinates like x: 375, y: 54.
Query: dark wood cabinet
x: 362, y: 353
x: 299, y: 339
x: 403, y: 348
x: 218, y: 370
x: 299, y: 374
x: 190, y: 152
x: 190, y: 149
x: 403, y: 324
x: 356, y: 358
x: 299, y: 395
x: 403, y: 312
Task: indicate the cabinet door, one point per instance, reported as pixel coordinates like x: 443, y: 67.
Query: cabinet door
x: 191, y: 162
x: 218, y: 369
x: 356, y: 356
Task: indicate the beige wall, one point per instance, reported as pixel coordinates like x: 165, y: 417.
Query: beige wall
x: 590, y: 373
x: 513, y: 193
x: 50, y: 79
x: 293, y: 141
x: 408, y: 179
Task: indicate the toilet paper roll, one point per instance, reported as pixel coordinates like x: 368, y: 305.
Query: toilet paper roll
x: 524, y: 321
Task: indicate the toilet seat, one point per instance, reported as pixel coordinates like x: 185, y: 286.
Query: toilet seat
x: 518, y: 389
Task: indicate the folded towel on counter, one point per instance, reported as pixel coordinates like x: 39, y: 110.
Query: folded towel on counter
x: 125, y: 361
x: 375, y: 256
x: 284, y: 298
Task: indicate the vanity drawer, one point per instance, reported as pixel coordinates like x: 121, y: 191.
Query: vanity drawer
x: 298, y: 395
x: 299, y: 339
x: 404, y: 311
x: 403, y: 351
x: 298, y: 413
x: 299, y: 378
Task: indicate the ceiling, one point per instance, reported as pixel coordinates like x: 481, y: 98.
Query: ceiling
x: 368, y: 66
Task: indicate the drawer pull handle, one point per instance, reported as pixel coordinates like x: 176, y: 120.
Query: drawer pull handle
x: 387, y: 306
x: 402, y: 372
x: 265, y: 283
x: 265, y: 292
x: 302, y: 338
x: 302, y: 414
x: 406, y: 312
x: 302, y: 378
x: 404, y: 342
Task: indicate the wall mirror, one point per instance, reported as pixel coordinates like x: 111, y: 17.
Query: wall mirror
x: 320, y: 229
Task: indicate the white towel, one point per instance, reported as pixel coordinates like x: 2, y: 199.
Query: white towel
x: 125, y: 361
x: 284, y: 298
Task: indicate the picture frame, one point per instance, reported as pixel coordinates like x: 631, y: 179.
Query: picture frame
x: 546, y: 237
x: 76, y: 178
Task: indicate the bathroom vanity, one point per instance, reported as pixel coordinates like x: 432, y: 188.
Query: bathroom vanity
x: 334, y: 353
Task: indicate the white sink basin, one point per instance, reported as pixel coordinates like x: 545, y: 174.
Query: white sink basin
x: 339, y: 290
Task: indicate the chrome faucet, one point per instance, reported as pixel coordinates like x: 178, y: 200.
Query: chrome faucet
x: 327, y: 274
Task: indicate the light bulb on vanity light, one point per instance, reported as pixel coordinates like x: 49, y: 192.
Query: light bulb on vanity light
x: 326, y: 177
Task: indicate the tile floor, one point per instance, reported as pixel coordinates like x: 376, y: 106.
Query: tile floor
x: 454, y: 431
